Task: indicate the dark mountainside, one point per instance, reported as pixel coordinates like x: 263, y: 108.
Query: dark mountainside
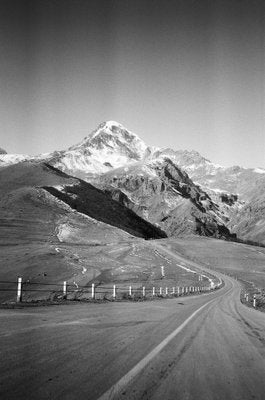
x: 17, y: 181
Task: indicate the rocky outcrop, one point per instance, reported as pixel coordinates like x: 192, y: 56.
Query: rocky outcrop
x: 164, y: 195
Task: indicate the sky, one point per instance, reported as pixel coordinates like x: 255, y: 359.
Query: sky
x: 184, y: 74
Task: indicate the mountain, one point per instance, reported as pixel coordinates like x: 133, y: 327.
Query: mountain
x: 111, y: 149
x: 179, y: 191
x: 237, y: 180
x: 239, y: 192
x: 2, y: 151
x: 9, y: 159
x: 109, y: 146
x: 163, y: 194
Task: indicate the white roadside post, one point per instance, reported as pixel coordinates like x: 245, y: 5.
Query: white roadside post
x: 114, y: 292
x: 254, y: 301
x: 160, y: 291
x: 162, y: 271
x: 173, y: 290
x: 166, y: 291
x: 19, y: 289
x: 143, y: 291
x: 93, y: 291
x: 64, y: 289
x: 247, y: 297
x: 130, y: 291
x: 154, y: 291
x: 178, y: 290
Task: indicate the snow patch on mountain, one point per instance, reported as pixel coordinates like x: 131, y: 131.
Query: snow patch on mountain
x: 9, y: 159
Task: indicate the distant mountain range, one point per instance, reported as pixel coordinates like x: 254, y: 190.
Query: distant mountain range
x: 176, y: 192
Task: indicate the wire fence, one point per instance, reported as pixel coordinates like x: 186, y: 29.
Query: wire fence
x: 23, y: 291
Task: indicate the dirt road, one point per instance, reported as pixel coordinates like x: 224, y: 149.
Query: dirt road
x: 203, y: 347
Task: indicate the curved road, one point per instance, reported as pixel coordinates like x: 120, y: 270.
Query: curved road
x: 199, y: 347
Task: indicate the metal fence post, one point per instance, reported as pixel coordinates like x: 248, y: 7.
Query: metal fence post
x: 19, y: 289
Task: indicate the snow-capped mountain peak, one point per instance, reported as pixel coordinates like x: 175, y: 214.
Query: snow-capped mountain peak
x: 113, y: 135
x: 111, y: 127
x: 109, y: 146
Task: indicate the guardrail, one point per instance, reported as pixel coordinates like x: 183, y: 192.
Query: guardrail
x: 26, y: 290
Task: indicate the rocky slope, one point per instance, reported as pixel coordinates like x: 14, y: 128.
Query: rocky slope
x: 163, y: 194
x: 239, y: 192
x: 20, y: 184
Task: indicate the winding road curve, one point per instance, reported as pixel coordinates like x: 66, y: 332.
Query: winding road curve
x: 199, y: 347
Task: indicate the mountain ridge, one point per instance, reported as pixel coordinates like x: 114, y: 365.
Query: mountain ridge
x: 112, y: 149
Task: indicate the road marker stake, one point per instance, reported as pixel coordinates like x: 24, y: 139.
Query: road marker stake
x: 93, y: 291
x: 19, y: 289
x: 64, y: 289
